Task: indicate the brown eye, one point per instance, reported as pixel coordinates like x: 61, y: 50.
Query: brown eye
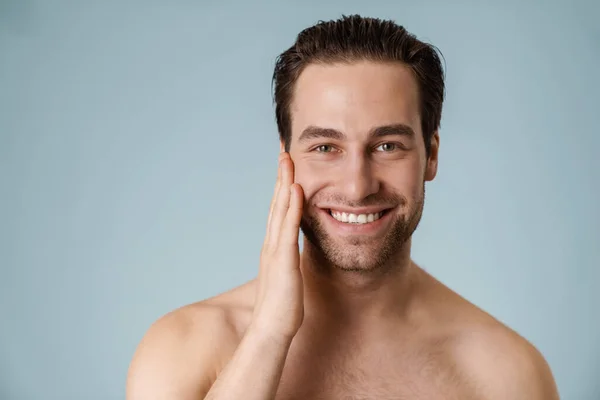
x: 324, y: 148
x: 387, y: 147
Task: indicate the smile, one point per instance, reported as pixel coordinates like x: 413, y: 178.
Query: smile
x: 350, y: 218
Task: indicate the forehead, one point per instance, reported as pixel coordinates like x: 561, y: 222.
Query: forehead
x: 353, y: 98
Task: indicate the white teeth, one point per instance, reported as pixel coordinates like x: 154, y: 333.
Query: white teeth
x: 354, y: 218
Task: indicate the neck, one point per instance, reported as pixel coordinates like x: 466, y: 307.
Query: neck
x: 357, y: 299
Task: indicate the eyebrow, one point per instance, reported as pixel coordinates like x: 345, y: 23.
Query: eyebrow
x: 315, y: 132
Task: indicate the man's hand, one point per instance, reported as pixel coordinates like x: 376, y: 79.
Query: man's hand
x: 279, y: 308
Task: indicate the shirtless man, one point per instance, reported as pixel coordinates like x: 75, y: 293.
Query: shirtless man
x: 358, y: 105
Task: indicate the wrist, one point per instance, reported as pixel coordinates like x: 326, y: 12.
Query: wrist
x: 268, y: 335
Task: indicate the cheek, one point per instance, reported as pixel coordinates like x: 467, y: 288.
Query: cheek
x: 310, y: 178
x: 413, y: 187
x: 406, y: 180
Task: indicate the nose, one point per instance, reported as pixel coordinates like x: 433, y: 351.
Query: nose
x: 358, y: 179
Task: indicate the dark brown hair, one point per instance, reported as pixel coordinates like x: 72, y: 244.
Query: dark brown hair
x: 355, y: 38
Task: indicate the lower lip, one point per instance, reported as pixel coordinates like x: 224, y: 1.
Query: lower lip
x: 344, y: 228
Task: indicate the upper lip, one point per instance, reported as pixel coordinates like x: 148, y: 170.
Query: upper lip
x: 356, y: 211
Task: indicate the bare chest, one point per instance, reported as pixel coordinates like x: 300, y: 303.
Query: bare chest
x: 377, y: 373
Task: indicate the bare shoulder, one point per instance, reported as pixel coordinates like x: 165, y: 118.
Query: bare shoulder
x: 182, y: 352
x: 495, y: 359
x: 502, y: 364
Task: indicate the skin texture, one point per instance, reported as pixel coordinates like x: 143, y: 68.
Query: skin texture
x: 373, y: 325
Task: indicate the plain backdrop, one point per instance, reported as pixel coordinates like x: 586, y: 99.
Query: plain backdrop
x: 138, y: 154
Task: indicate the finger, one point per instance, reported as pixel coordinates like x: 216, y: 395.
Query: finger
x: 291, y: 225
x: 283, y: 199
x: 274, y: 199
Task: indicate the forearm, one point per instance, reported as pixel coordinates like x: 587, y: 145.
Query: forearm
x: 254, y: 371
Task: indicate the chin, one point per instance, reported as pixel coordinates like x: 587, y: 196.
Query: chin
x: 357, y: 258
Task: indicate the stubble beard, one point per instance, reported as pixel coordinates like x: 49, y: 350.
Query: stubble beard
x: 358, y: 254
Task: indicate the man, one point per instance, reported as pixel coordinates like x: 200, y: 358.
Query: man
x: 358, y: 106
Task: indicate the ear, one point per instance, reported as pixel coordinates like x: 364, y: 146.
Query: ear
x: 281, y: 146
x: 432, y: 161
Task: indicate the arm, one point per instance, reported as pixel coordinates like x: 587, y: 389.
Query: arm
x: 181, y: 356
x: 254, y: 370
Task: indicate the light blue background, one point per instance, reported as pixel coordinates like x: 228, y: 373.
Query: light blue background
x: 138, y: 152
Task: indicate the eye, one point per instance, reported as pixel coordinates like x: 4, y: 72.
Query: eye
x: 387, y: 147
x: 324, y: 148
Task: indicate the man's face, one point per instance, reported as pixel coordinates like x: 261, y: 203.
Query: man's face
x: 359, y: 155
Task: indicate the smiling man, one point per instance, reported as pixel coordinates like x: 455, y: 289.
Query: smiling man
x: 358, y: 106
